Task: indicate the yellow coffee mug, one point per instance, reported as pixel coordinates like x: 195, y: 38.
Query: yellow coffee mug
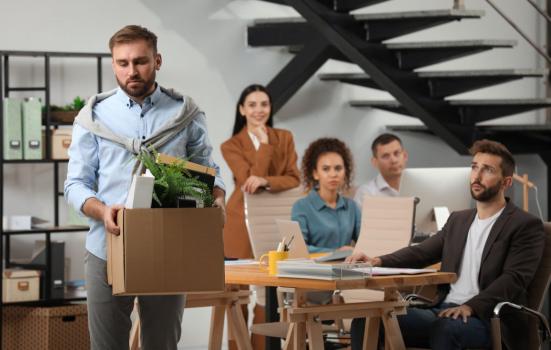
x: 273, y: 257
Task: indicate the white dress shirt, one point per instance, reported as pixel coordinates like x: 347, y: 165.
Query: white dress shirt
x: 377, y: 187
x: 255, y: 140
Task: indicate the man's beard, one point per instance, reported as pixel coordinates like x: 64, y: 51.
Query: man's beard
x: 139, y: 91
x: 487, y: 194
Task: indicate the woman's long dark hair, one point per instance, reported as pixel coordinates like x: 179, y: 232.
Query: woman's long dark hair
x: 240, y: 120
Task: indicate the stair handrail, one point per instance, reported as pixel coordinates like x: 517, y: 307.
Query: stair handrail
x: 514, y: 25
x: 540, y: 10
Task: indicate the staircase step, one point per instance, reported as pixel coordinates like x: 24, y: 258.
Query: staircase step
x: 420, y: 54
x: 410, y: 56
x: 519, y: 138
x: 373, y: 27
x: 387, y: 105
x: 349, y: 5
x: 469, y: 111
x: 384, y: 26
x: 446, y: 83
x: 339, y: 5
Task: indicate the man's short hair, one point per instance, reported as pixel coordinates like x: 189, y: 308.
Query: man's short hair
x: 131, y: 33
x: 384, y: 139
x: 496, y: 149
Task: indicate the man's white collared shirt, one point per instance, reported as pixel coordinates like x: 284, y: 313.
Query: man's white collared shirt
x: 377, y: 187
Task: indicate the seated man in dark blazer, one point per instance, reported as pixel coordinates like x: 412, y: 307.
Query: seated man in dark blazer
x: 495, y: 250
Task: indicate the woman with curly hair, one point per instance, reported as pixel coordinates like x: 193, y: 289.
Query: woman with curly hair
x: 328, y: 220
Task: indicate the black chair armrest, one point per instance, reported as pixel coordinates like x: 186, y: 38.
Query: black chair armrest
x: 416, y: 297
x: 544, y: 324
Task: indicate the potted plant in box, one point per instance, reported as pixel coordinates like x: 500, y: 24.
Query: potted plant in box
x: 67, y: 113
x: 174, y: 185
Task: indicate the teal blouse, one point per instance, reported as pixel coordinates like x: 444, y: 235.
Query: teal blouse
x: 324, y: 228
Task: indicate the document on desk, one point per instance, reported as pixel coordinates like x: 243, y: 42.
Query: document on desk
x: 309, y: 269
x: 240, y: 262
x: 383, y: 271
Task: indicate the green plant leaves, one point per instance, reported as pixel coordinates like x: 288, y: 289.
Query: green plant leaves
x: 173, y: 181
x: 76, y: 105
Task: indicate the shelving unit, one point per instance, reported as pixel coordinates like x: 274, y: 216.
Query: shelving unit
x: 48, y: 124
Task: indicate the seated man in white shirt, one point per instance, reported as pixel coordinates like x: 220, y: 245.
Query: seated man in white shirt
x: 495, y: 250
x: 389, y: 158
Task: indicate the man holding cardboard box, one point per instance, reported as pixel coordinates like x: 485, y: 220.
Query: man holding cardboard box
x: 108, y: 132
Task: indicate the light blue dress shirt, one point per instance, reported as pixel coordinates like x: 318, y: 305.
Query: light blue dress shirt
x: 324, y: 228
x: 102, y: 169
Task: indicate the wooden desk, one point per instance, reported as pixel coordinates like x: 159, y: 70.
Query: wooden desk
x: 306, y: 319
x: 229, y: 302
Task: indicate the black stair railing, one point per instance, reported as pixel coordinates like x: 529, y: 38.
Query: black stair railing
x: 512, y: 23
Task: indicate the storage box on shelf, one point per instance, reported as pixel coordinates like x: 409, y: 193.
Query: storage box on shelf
x: 12, y: 129
x: 22, y: 120
x: 59, y: 327
x: 20, y: 285
x: 32, y: 129
x: 61, y: 140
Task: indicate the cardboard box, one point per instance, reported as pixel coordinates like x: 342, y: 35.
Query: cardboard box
x: 20, y: 285
x: 54, y: 328
x: 166, y: 251
x: 61, y: 140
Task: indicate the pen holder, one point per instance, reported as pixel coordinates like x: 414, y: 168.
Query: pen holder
x: 272, y: 257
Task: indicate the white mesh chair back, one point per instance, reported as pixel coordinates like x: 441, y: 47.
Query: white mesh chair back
x: 261, y: 211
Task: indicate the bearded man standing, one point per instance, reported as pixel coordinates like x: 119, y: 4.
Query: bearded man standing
x: 494, y: 249
x: 108, y: 132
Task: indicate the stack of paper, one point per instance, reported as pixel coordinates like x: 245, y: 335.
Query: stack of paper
x: 382, y: 271
x: 302, y: 268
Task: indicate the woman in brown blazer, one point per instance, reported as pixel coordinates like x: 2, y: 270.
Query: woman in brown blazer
x: 260, y: 157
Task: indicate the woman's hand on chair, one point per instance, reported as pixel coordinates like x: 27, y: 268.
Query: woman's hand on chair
x: 253, y: 183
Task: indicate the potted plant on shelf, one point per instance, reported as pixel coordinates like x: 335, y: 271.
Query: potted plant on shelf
x: 175, y: 185
x: 67, y: 113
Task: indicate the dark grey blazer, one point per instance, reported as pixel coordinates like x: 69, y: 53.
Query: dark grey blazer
x: 509, y: 261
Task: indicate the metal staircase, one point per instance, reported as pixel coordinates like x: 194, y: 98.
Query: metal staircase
x: 327, y: 30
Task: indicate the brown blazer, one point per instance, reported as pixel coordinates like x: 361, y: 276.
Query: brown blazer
x: 510, y: 258
x: 275, y: 161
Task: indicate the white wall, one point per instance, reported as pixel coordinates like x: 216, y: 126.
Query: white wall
x: 203, y: 43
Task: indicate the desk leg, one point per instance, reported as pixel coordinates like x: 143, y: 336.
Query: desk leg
x: 289, y: 340
x: 393, y: 336
x: 299, y: 339
x: 300, y: 327
x: 216, y: 327
x: 240, y: 332
x: 315, y: 336
x: 371, y: 333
